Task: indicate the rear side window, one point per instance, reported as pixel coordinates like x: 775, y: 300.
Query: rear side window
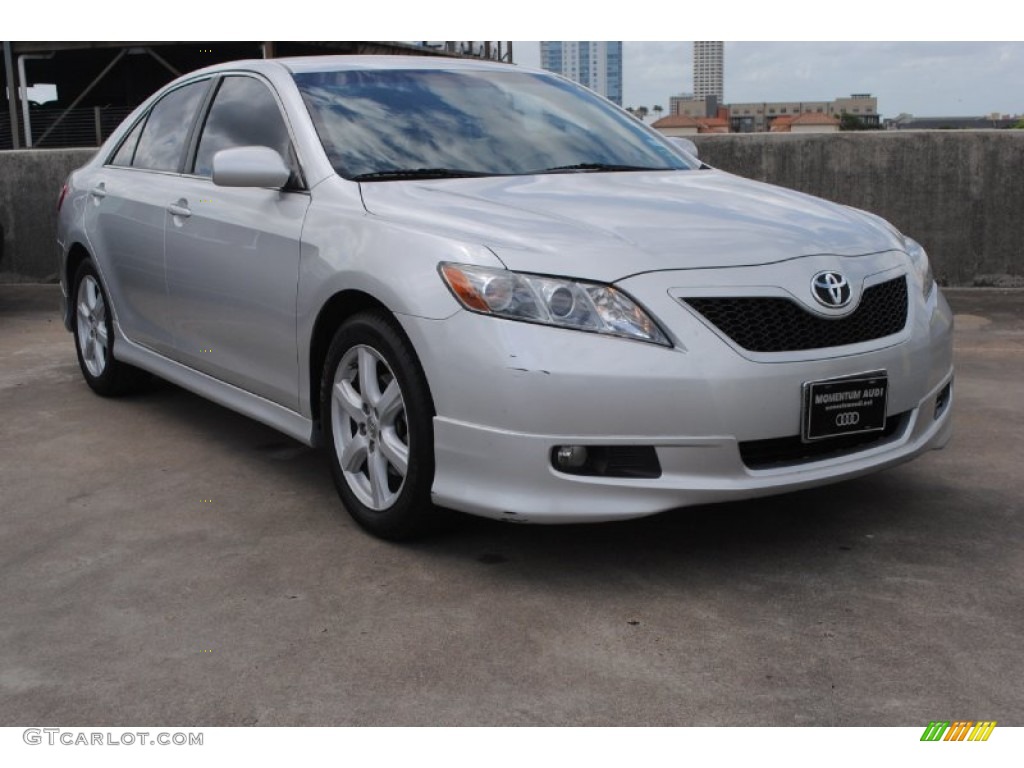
x: 244, y: 114
x: 123, y: 156
x: 163, y: 138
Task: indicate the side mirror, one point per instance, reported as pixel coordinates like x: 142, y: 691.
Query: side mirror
x: 249, y: 167
x: 685, y: 144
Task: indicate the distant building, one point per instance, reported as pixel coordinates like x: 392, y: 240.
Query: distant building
x: 907, y: 122
x: 681, y: 125
x: 718, y: 124
x: 748, y: 117
x: 677, y: 125
x: 708, y: 70
x: 597, y: 65
x: 495, y: 50
x: 863, y: 106
x: 689, y: 105
x: 759, y: 116
x: 806, y: 122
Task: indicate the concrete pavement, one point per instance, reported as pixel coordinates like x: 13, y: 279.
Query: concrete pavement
x: 164, y: 560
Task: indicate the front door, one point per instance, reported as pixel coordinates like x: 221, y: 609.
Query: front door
x: 232, y: 253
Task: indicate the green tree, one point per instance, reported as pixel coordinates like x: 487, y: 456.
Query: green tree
x: 848, y: 122
x: 641, y: 112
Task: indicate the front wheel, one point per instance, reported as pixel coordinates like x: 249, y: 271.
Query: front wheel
x: 377, y: 420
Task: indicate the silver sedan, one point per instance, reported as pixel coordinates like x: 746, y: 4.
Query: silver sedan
x: 484, y: 288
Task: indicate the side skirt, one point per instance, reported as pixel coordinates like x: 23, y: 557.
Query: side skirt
x: 255, y: 407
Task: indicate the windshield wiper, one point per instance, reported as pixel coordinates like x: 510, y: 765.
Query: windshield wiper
x: 599, y: 167
x: 418, y: 173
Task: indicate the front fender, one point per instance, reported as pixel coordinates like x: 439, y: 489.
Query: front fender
x: 344, y: 248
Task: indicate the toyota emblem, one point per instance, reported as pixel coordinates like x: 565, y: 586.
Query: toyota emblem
x: 831, y: 289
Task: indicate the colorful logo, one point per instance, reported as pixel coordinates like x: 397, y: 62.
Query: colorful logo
x: 959, y: 730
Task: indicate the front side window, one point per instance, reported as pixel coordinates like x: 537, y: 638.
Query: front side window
x: 162, y: 143
x: 478, y: 122
x: 244, y: 114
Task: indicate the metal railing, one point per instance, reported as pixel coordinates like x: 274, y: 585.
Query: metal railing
x: 54, y: 127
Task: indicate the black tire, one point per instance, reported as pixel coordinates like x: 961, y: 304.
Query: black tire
x: 375, y: 432
x: 94, y: 341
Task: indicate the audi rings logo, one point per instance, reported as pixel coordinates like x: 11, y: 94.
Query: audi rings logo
x: 831, y: 289
x: 848, y: 419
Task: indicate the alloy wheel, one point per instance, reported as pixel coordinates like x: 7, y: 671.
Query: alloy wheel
x: 370, y: 428
x: 91, y: 325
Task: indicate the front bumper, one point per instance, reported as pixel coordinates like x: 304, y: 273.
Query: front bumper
x: 506, y: 393
x: 507, y: 475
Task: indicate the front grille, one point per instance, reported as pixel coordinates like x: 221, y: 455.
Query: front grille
x: 772, y: 324
x: 788, y: 451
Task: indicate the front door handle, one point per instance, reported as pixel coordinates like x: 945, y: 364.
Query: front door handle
x: 180, y: 208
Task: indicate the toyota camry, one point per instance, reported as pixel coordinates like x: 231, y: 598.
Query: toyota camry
x: 485, y: 288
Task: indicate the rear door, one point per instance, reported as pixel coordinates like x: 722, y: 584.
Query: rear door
x: 127, y: 209
x: 233, y: 253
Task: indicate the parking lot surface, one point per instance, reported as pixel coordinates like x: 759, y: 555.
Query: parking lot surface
x: 164, y: 560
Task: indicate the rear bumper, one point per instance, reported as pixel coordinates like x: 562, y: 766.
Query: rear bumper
x: 65, y: 304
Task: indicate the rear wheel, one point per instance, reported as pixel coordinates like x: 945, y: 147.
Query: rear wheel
x: 377, y: 419
x: 94, y: 338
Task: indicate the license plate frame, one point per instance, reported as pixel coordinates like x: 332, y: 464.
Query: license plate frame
x: 848, y: 405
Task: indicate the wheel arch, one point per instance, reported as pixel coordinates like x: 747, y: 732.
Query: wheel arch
x: 77, y: 254
x: 335, y: 311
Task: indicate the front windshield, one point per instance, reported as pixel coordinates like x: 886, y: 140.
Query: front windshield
x: 473, y: 122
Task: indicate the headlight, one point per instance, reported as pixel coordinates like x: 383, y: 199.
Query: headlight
x: 922, y: 267
x: 551, y: 301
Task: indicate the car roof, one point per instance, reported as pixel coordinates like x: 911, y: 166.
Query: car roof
x: 302, y: 64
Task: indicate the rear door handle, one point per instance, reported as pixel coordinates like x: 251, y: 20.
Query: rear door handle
x: 179, y: 208
x: 100, y: 190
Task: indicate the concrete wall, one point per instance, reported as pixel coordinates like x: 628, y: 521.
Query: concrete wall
x: 30, y: 182
x: 960, y: 193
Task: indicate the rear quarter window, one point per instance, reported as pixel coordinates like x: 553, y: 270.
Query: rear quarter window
x: 125, y: 153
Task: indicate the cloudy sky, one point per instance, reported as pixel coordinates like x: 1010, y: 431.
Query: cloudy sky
x: 922, y: 78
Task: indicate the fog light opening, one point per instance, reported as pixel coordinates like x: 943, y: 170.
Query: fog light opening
x: 569, y: 457
x: 633, y: 461
x: 942, y: 399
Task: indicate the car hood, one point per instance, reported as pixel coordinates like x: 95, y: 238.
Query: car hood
x: 608, y: 226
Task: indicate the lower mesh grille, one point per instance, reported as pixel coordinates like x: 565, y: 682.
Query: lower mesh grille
x: 787, y: 451
x: 773, y: 324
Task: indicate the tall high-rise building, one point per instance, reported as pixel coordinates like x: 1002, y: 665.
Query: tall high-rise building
x: 597, y: 65
x: 708, y: 70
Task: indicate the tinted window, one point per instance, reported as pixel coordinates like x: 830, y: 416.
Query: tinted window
x: 244, y: 114
x: 480, y: 121
x: 124, y: 154
x: 163, y: 138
